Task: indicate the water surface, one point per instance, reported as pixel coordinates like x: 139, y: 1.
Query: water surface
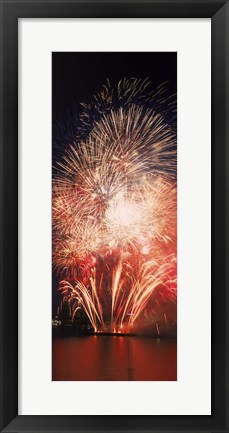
x: 114, y: 358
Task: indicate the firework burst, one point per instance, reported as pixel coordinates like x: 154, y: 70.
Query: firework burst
x: 114, y: 208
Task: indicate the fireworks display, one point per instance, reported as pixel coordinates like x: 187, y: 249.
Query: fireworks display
x: 114, y: 208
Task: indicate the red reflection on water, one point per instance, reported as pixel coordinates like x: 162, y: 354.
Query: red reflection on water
x: 114, y: 358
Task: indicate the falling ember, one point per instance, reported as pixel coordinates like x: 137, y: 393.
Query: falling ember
x: 114, y: 212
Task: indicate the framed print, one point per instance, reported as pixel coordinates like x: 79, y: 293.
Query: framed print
x: 114, y: 216
x: 104, y: 298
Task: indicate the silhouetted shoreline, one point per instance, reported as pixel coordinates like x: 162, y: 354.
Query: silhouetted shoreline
x: 69, y: 331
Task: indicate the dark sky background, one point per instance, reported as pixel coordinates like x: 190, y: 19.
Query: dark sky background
x: 76, y: 77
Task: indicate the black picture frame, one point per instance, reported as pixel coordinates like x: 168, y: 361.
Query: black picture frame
x: 11, y: 11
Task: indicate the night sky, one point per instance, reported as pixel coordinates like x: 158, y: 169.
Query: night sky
x: 76, y: 77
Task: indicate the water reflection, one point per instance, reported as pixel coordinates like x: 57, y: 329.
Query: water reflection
x: 114, y: 358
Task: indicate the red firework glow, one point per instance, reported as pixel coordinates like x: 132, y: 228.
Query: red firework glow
x: 114, y: 219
